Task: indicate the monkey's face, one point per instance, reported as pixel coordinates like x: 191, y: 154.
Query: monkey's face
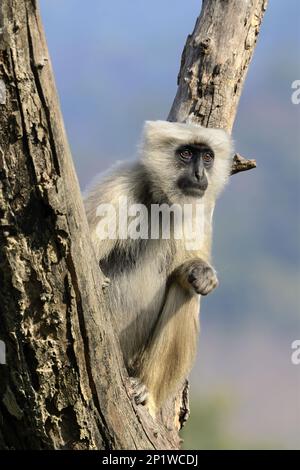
x: 186, y: 160
x: 194, y: 162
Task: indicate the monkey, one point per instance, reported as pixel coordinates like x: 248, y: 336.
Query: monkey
x: 154, y: 286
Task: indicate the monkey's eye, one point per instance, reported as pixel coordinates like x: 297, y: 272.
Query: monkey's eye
x: 186, y: 154
x: 207, y: 157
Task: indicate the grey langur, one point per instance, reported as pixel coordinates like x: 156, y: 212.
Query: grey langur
x: 155, y: 284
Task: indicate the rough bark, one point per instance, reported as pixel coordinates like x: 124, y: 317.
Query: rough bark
x: 64, y: 385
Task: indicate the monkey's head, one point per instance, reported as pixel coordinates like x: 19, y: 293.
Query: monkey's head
x: 187, y: 159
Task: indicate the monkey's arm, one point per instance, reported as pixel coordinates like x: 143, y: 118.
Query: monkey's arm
x: 196, y: 275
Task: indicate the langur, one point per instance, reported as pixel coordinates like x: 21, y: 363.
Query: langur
x: 155, y: 283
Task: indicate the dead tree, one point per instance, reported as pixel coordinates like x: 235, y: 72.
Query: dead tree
x: 64, y: 384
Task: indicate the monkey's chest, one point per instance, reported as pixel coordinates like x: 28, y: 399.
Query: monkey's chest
x: 137, y: 291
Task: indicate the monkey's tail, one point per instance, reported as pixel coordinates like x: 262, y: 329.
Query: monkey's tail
x: 170, y: 353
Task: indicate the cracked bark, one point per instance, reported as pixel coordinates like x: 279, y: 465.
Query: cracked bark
x: 64, y: 372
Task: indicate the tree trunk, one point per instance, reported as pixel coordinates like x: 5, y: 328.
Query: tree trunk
x: 64, y: 372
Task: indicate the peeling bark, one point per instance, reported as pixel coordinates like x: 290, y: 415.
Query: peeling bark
x: 64, y: 385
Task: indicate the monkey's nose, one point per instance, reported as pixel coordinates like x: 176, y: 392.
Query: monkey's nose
x: 199, y: 174
x: 201, y: 179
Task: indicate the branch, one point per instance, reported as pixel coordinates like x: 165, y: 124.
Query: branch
x: 241, y: 164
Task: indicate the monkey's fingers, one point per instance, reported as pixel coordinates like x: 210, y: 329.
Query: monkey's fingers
x: 208, y: 286
x: 203, y: 281
x: 105, y: 283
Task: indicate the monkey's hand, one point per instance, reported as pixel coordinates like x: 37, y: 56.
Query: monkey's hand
x: 202, y: 277
x: 198, y: 275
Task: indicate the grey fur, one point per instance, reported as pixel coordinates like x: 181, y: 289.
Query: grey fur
x: 155, y: 284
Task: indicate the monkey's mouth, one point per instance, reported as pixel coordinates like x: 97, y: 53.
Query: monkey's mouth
x: 191, y: 188
x: 193, y: 191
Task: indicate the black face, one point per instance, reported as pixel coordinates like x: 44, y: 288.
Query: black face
x: 195, y: 160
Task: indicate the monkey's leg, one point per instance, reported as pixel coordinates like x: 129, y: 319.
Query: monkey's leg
x: 170, y: 352
x: 198, y: 275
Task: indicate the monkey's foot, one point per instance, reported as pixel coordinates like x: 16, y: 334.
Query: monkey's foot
x: 203, y: 278
x: 105, y: 283
x: 139, y: 391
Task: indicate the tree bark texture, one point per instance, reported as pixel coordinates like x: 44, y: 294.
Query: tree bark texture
x: 64, y: 385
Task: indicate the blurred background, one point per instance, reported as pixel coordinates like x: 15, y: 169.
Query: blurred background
x: 116, y: 65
